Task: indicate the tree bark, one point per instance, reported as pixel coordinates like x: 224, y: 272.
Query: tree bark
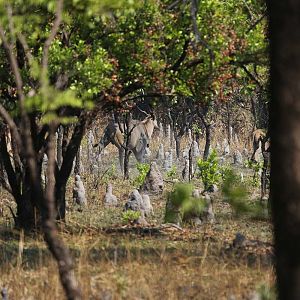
x: 207, y: 140
x: 55, y: 244
x: 285, y: 139
x: 62, y: 176
x: 59, y: 145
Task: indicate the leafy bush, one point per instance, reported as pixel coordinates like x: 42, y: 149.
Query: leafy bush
x: 257, y: 168
x: 235, y: 192
x: 143, y: 170
x: 171, y: 174
x: 181, y: 205
x: 109, y: 174
x: 237, y: 195
x: 209, y: 170
x: 267, y: 292
x: 129, y: 216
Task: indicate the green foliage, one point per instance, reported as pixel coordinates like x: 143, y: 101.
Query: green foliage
x: 257, y: 168
x: 110, y: 173
x: 129, y: 216
x: 209, y: 170
x: 181, y: 204
x: 143, y: 170
x: 267, y: 293
x: 172, y: 173
x: 237, y: 195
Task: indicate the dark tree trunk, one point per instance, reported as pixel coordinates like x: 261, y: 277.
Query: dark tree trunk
x: 191, y: 162
x: 253, y: 109
x: 228, y: 124
x: 62, y: 176
x: 207, y: 141
x: 285, y: 148
x: 77, y: 166
x: 126, y: 164
x: 59, y: 145
x: 177, y: 144
x: 264, y: 174
x: 65, y: 139
x: 128, y: 132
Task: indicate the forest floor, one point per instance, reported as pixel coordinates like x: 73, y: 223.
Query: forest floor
x: 114, y: 260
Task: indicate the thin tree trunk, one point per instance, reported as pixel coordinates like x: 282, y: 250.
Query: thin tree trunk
x: 177, y: 144
x: 207, y: 141
x: 59, y: 144
x: 77, y: 166
x: 55, y: 244
x: 191, y: 162
x: 62, y: 176
x: 285, y: 148
x: 128, y: 132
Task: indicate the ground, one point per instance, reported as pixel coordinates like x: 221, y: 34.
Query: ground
x: 117, y: 260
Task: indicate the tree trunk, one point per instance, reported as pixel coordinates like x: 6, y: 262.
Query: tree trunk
x: 128, y: 132
x: 59, y: 143
x: 285, y: 139
x: 207, y: 141
x: 177, y: 145
x: 126, y: 164
x: 191, y: 162
x: 228, y: 124
x: 77, y: 167
x: 62, y: 176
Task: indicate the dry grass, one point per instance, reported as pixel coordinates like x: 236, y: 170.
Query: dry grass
x: 170, y: 264
x: 195, y: 263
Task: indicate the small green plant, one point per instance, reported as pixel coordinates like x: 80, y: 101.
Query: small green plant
x: 197, y: 129
x: 172, y: 173
x: 267, y: 292
x: 236, y: 194
x: 110, y: 173
x: 129, y: 216
x: 209, y: 170
x: 143, y: 170
x: 181, y: 205
x: 257, y: 168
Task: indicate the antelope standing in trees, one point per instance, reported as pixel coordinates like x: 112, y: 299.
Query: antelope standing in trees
x: 140, y: 133
x: 260, y: 137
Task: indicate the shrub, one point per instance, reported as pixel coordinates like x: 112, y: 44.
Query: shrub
x: 257, y: 168
x: 143, y: 170
x: 109, y: 174
x: 129, y: 216
x: 237, y: 195
x: 181, y: 205
x: 209, y: 170
x: 172, y: 174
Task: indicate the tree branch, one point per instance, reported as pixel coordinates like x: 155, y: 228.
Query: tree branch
x: 182, y: 57
x: 14, y: 66
x: 194, y: 11
x: 11, y: 124
x: 54, y: 30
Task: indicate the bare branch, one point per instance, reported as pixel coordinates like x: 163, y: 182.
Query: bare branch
x: 5, y: 185
x: 182, y: 57
x: 25, y: 46
x: 142, y: 111
x: 11, y: 124
x: 11, y: 24
x: 14, y: 66
x: 54, y: 30
x: 194, y: 11
x: 257, y: 21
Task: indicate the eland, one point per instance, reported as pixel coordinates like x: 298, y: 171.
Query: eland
x: 139, y: 138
